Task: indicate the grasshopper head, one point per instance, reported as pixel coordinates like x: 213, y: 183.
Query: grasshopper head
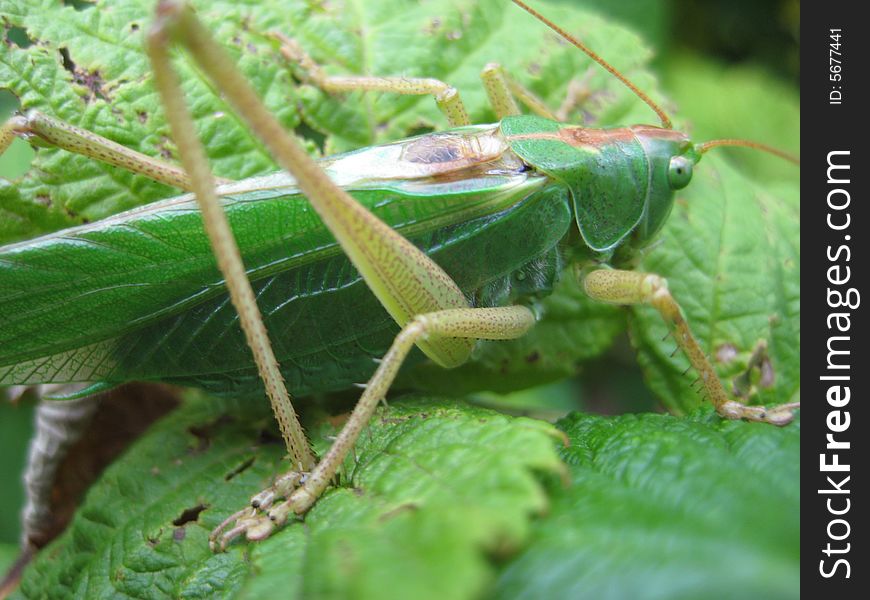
x: 621, y: 180
x: 671, y: 158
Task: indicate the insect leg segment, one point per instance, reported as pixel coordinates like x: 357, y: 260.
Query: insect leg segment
x: 631, y: 287
x: 223, y: 243
x: 8, y: 132
x: 499, y: 323
x: 60, y: 134
x: 495, y: 82
x: 503, y: 91
x: 446, y: 96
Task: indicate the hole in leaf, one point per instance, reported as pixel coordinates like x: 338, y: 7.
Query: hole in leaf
x: 240, y: 469
x: 189, y: 515
x: 767, y: 374
x: 268, y: 437
x: 79, y: 4
x: 420, y: 130
x: 726, y: 353
x: 8, y: 104
x: 203, y: 438
x: 759, y: 373
x: 204, y: 433
x: 19, y: 37
x: 153, y: 540
x: 309, y: 133
x: 67, y: 61
x: 92, y: 80
x: 164, y: 147
x: 16, y: 160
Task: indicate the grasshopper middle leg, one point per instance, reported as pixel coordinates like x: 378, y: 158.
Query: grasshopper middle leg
x: 446, y: 96
x: 500, y: 87
x: 502, y: 90
x: 35, y: 125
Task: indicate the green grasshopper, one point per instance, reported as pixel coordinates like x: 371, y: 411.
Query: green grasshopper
x: 568, y: 197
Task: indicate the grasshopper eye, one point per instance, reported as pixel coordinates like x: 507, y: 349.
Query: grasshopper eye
x: 679, y: 172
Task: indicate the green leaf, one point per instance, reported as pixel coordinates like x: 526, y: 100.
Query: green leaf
x: 8, y: 554
x: 435, y: 487
x: 16, y: 428
x: 661, y: 507
x: 765, y: 110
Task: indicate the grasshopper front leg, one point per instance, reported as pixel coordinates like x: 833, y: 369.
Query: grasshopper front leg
x: 632, y: 287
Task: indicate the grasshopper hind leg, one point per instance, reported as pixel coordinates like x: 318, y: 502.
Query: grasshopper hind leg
x: 300, y: 491
x: 250, y: 520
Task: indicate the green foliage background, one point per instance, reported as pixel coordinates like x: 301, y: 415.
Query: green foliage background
x: 658, y: 506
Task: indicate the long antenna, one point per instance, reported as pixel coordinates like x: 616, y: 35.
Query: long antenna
x: 703, y: 147
x: 665, y: 119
